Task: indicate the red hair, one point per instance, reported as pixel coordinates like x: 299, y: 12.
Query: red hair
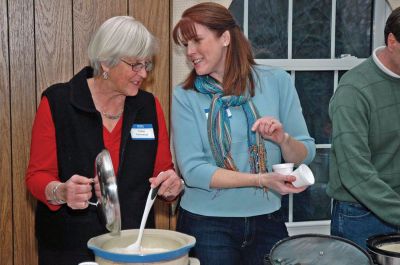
x: 238, y: 76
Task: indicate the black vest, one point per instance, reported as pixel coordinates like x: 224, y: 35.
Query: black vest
x: 79, y: 138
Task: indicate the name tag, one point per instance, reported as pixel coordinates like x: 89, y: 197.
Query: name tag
x: 206, y: 111
x: 142, y: 132
x: 228, y: 112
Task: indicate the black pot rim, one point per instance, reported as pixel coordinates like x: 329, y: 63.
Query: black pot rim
x: 324, y: 236
x: 374, y: 241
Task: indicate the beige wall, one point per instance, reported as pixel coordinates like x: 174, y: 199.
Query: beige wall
x: 394, y: 3
x: 43, y: 42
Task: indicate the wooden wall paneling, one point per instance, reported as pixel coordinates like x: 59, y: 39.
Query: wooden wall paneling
x: 53, y: 37
x: 88, y: 15
x: 23, y: 107
x: 154, y: 14
x: 6, y: 243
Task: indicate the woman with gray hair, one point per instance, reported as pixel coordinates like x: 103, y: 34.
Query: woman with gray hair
x: 102, y: 106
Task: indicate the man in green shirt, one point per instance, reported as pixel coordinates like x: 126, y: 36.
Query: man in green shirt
x: 364, y: 169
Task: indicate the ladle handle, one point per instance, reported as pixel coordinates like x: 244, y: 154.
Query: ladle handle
x: 154, y: 192
x: 149, y: 204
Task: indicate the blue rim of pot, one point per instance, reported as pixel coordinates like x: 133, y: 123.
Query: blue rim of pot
x: 163, y: 256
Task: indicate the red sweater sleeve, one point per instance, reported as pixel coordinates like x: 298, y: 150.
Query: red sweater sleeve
x: 163, y: 157
x: 42, y: 167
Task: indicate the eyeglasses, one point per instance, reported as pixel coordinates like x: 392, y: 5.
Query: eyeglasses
x: 136, y: 67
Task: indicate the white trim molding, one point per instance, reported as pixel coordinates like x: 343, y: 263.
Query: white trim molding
x: 313, y: 227
x: 313, y: 64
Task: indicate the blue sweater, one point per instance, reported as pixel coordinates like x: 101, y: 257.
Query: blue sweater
x: 275, y: 96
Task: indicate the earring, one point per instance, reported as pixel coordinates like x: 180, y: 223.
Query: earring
x: 105, y: 75
x: 225, y: 44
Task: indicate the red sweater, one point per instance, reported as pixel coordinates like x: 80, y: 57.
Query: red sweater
x: 42, y: 168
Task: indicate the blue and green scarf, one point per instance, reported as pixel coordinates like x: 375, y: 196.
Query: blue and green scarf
x: 219, y: 129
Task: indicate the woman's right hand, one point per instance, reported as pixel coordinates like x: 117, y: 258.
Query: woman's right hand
x: 77, y: 191
x: 280, y: 183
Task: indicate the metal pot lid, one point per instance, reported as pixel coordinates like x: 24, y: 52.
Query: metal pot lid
x: 109, y: 192
x: 318, y: 249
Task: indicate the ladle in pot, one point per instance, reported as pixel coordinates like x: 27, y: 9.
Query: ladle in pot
x: 135, y: 247
x: 149, y: 203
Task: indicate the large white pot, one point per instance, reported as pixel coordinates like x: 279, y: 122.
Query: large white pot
x: 177, y: 245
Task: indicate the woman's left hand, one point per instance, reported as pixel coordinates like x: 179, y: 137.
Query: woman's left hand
x: 280, y: 183
x: 269, y: 128
x: 171, y: 184
x: 97, y: 188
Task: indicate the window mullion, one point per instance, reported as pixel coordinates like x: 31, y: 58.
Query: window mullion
x: 381, y: 10
x: 290, y: 217
x: 246, y: 18
x: 290, y: 28
x: 335, y: 80
x: 333, y: 29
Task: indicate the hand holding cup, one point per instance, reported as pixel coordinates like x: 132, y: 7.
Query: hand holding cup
x: 303, y: 174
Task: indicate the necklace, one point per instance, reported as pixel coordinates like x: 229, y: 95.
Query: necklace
x: 108, y: 115
x: 111, y: 116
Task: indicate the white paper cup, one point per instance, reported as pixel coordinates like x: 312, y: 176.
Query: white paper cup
x: 304, y: 176
x: 284, y: 169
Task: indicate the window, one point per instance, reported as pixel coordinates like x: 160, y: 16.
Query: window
x: 316, y: 41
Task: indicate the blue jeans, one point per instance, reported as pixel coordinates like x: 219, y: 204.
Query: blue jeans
x: 356, y: 223
x: 232, y: 240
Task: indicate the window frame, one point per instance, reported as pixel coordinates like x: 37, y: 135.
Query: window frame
x: 381, y: 12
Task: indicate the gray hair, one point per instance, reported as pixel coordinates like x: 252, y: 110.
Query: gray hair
x: 117, y: 37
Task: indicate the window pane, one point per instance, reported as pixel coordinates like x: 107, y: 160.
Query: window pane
x: 313, y: 203
x: 285, y: 207
x: 354, y: 27
x: 268, y: 26
x: 315, y: 90
x: 311, y: 29
x: 237, y: 9
x: 340, y: 74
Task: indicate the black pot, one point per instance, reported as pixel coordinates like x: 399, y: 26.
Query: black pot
x: 381, y: 256
x: 317, y: 249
